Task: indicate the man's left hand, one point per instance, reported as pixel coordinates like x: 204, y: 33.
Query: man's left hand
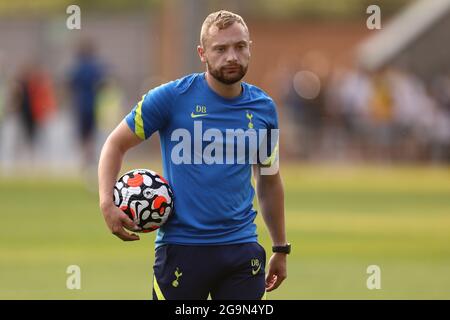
x: 277, y: 271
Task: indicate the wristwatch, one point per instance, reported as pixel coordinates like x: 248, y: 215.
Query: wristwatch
x: 282, y: 249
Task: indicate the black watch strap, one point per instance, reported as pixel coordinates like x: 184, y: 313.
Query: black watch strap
x: 282, y: 249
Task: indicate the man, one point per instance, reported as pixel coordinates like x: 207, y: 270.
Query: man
x: 86, y: 77
x: 209, y: 246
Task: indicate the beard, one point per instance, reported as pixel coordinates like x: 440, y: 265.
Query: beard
x: 222, y: 75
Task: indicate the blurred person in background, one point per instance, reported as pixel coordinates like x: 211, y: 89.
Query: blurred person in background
x: 412, y: 115
x: 85, y: 79
x: 22, y: 104
x: 381, y: 113
x: 33, y: 98
x: 347, y: 101
x: 305, y: 101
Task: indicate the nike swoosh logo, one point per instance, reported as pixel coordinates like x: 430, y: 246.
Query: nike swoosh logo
x: 254, y: 272
x: 198, y: 115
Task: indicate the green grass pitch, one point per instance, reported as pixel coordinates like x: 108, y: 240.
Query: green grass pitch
x: 340, y: 220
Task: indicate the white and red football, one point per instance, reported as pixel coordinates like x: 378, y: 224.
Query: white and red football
x: 146, y: 197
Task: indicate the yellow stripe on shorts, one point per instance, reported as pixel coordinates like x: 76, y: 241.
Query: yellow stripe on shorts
x: 264, y: 297
x: 158, y: 292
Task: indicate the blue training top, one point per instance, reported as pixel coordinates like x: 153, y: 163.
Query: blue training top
x: 210, y: 178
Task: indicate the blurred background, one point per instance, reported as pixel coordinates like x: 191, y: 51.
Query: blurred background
x: 365, y: 139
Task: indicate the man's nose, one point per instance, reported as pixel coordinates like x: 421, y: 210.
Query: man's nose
x: 231, y: 55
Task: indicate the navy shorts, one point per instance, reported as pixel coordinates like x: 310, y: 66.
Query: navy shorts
x: 225, y: 272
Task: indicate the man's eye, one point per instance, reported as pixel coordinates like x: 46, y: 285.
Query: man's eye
x: 220, y: 49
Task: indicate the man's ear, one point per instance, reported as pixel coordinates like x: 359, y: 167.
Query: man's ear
x: 201, y: 53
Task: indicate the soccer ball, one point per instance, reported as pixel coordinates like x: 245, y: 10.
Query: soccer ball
x: 145, y: 197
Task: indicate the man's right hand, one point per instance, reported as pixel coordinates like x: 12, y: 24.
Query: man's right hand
x: 113, y: 151
x: 117, y: 220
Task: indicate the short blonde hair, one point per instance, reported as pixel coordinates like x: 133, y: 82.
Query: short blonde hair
x: 221, y: 19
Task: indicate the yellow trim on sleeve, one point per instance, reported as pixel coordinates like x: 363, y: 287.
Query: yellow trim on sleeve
x: 138, y: 122
x: 271, y: 159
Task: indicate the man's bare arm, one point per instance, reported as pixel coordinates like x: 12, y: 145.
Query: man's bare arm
x: 111, y: 157
x: 270, y: 192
